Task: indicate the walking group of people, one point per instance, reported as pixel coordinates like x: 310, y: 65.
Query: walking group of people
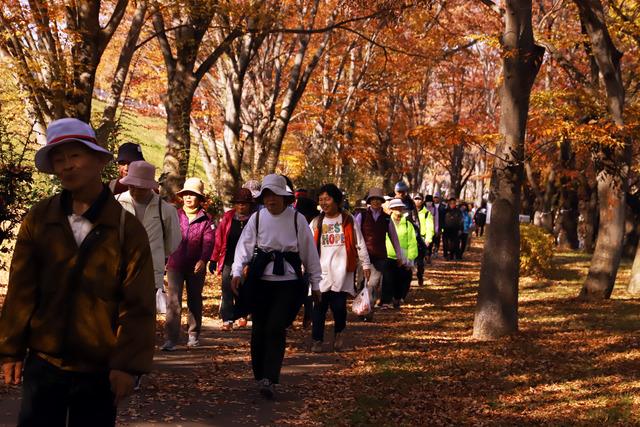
x: 89, y: 266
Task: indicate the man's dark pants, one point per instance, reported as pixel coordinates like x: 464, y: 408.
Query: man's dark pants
x: 54, y: 397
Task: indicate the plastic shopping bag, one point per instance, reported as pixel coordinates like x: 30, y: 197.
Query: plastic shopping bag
x: 362, y: 303
x: 161, y: 301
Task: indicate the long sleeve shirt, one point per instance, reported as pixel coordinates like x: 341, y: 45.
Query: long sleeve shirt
x: 333, y: 255
x: 163, y: 241
x: 278, y: 233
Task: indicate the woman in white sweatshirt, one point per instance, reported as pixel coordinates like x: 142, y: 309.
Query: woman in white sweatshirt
x: 274, y: 246
x: 340, y: 245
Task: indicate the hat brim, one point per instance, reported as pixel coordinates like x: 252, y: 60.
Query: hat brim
x: 375, y: 197
x: 242, y: 201
x: 397, y: 206
x: 186, y: 190
x: 140, y: 183
x: 275, y: 190
x: 43, y: 162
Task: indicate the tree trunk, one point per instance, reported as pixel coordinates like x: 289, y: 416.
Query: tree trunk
x: 568, y: 221
x: 634, y: 283
x: 613, y: 162
x: 497, y: 305
x: 455, y: 173
x: 103, y: 132
x: 178, y: 146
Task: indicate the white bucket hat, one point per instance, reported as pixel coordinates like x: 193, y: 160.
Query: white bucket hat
x: 396, y: 203
x: 193, y: 185
x: 276, y: 184
x: 66, y: 130
x: 141, y: 174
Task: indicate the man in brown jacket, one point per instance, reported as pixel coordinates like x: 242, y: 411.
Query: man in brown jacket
x: 80, y: 308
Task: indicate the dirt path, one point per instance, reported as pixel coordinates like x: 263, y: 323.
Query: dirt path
x: 212, y: 385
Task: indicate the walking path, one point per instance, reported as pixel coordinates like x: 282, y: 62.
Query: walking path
x: 212, y: 385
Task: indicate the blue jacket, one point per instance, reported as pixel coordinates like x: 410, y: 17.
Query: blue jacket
x: 467, y: 221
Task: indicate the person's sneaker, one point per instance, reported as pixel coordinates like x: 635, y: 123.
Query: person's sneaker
x: 396, y: 304
x: 368, y: 317
x: 168, y: 346
x: 242, y: 322
x: 338, y: 342
x: 266, y: 389
x: 386, y: 306
x: 193, y: 342
x: 137, y: 383
x: 316, y: 347
x: 227, y: 326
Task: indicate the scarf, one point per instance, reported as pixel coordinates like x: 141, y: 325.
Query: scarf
x: 191, y: 213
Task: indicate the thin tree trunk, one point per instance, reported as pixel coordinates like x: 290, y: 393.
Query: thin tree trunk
x: 497, y: 306
x: 103, y: 132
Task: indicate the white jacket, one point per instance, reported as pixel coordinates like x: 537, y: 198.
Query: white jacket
x: 160, y: 249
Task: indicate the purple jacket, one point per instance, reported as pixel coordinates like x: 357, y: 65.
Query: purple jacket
x: 197, y: 242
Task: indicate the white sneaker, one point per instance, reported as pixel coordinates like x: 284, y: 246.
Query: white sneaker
x: 168, y: 346
x: 193, y: 342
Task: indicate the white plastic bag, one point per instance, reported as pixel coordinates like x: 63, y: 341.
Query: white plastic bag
x: 161, y: 301
x: 362, y: 303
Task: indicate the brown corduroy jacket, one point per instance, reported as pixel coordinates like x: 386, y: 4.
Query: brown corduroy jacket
x: 105, y: 319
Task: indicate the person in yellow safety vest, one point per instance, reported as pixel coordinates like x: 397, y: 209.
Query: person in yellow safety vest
x: 427, y: 231
x: 400, y: 265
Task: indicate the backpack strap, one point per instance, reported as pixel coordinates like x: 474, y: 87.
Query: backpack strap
x: 319, y: 221
x: 161, y: 219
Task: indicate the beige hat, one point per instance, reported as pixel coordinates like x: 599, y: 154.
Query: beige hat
x: 396, y: 204
x: 192, y: 185
x: 141, y: 174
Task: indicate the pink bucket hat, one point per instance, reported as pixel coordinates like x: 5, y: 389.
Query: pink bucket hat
x: 141, y: 174
x: 66, y: 130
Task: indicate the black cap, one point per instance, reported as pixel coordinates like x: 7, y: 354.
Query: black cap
x: 129, y: 152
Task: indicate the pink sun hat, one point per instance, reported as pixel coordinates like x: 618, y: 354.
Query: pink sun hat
x: 141, y: 174
x: 63, y: 131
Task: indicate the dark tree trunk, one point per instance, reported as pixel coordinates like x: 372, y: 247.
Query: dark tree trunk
x: 612, y: 162
x: 568, y: 220
x: 455, y: 173
x: 497, y: 306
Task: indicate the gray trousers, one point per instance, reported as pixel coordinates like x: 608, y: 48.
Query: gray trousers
x: 195, y: 283
x: 226, y: 303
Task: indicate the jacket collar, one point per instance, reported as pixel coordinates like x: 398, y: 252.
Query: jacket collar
x: 199, y: 216
x: 105, y: 210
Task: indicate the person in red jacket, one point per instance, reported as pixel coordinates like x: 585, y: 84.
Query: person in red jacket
x: 227, y: 236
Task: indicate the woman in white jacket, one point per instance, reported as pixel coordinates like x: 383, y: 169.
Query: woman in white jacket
x: 278, y: 244
x: 340, y: 245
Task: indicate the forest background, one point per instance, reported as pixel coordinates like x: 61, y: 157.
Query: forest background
x: 532, y: 105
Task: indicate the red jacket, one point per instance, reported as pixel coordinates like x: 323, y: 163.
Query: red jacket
x: 222, y: 232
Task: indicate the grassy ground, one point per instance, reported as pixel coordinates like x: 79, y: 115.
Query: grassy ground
x: 573, y: 363
x: 149, y: 132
